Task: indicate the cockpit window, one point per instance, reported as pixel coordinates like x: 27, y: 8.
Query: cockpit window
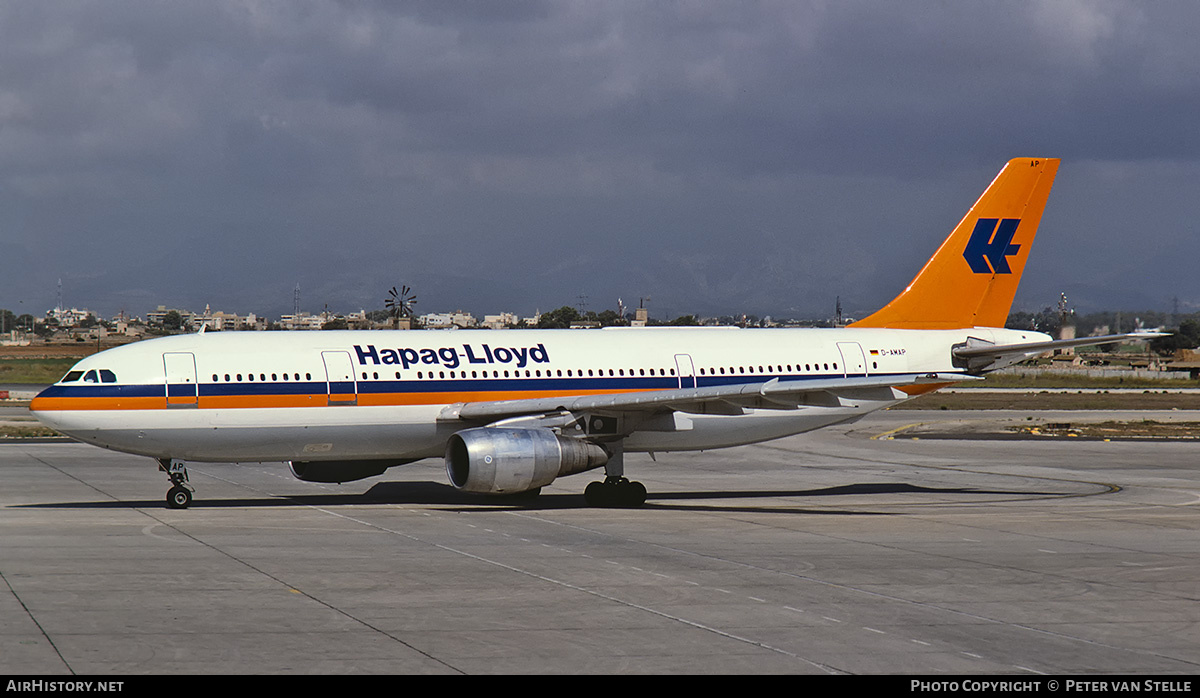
x: 102, y: 375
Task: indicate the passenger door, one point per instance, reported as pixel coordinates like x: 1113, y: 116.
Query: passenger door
x: 853, y: 360
x: 685, y: 370
x: 340, y: 385
x: 180, y: 371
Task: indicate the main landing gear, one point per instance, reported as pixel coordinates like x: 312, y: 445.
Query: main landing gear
x: 180, y: 494
x: 616, y: 490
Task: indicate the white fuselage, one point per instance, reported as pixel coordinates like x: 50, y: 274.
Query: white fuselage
x: 279, y: 396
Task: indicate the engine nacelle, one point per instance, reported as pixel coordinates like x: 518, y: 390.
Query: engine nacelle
x: 499, y: 460
x: 340, y: 470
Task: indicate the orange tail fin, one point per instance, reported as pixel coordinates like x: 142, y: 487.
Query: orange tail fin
x: 972, y: 278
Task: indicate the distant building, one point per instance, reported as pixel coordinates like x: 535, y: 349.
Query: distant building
x: 156, y: 317
x: 435, y: 321
x: 357, y: 321
x: 69, y: 317
x: 304, y: 321
x: 501, y: 321
x: 444, y: 321
x: 219, y: 321
x: 128, y: 328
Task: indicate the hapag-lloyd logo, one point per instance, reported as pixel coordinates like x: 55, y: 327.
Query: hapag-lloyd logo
x: 453, y: 357
x: 991, y: 241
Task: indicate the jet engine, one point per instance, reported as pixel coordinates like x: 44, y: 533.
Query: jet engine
x: 340, y: 471
x: 502, y: 460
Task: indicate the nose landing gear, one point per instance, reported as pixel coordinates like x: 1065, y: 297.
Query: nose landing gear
x: 180, y: 494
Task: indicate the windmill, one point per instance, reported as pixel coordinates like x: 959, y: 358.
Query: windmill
x: 400, y: 306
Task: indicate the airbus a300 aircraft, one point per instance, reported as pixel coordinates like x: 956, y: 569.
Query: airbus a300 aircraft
x: 512, y: 410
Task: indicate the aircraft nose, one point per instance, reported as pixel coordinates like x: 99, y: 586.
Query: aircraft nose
x: 41, y: 404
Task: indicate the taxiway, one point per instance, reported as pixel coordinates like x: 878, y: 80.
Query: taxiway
x: 831, y: 552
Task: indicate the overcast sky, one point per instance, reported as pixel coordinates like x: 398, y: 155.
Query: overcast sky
x: 718, y: 157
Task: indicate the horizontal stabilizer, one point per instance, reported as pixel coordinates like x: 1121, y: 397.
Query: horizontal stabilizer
x: 980, y: 357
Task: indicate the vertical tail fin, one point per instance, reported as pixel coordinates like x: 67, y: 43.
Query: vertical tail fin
x: 972, y: 278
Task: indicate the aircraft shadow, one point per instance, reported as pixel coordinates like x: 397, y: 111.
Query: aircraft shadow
x: 433, y: 493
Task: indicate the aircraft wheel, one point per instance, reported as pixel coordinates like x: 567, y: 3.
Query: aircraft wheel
x: 615, y: 493
x: 595, y: 494
x: 635, y: 494
x: 179, y: 498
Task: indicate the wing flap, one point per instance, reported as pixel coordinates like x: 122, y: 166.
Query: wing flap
x: 727, y: 399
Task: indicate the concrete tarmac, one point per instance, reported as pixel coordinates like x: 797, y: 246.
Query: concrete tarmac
x: 831, y: 552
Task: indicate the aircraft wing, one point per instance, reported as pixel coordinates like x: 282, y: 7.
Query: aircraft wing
x: 770, y: 394
x: 978, y: 355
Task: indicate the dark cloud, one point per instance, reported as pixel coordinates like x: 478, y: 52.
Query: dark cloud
x: 719, y: 157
